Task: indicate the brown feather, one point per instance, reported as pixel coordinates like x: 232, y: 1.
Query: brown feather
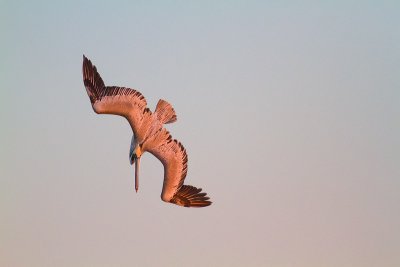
x: 190, y: 196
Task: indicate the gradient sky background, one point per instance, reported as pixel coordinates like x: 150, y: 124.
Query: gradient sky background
x: 289, y: 112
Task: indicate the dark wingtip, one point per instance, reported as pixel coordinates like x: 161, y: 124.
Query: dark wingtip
x: 85, y: 59
x: 202, y: 204
x: 190, y: 196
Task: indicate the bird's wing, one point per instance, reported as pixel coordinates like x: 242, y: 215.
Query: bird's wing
x: 122, y: 101
x: 174, y: 158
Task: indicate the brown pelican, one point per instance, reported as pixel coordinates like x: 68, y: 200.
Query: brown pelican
x: 148, y: 135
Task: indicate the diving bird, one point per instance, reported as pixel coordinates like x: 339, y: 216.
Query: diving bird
x: 149, y: 135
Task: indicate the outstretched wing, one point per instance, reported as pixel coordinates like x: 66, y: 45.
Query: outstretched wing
x: 122, y: 101
x: 173, y: 156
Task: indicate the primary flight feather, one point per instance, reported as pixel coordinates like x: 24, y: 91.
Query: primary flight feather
x: 149, y: 135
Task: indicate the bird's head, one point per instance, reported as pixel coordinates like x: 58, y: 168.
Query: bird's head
x: 135, y: 153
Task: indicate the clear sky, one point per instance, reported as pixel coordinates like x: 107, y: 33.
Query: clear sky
x: 289, y: 112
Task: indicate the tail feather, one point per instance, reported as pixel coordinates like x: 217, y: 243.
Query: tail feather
x: 165, y: 112
x: 190, y: 196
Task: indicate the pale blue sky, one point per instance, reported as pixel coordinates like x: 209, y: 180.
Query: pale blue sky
x: 289, y: 112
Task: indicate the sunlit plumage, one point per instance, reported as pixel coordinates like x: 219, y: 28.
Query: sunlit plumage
x: 149, y: 135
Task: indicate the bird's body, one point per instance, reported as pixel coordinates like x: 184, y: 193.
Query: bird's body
x: 149, y: 134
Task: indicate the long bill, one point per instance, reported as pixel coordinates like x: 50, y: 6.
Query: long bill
x: 137, y: 161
